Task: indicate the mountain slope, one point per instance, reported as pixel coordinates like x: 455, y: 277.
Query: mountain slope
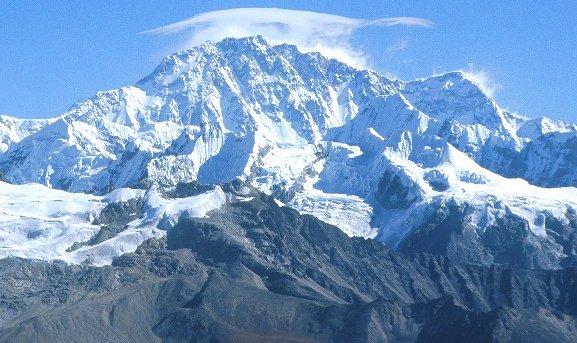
x: 52, y: 225
x: 548, y: 160
x: 255, y: 271
x: 13, y: 130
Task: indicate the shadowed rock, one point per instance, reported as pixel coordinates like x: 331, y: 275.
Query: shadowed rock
x: 257, y: 272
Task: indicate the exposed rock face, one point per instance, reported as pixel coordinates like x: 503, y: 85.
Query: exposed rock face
x: 507, y: 241
x: 256, y: 272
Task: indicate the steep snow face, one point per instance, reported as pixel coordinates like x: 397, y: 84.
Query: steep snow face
x: 378, y: 158
x: 13, y: 130
x: 242, y: 86
x: 465, y: 116
x: 379, y: 121
x: 546, y: 158
x: 549, y: 160
x: 42, y: 223
x: 454, y: 96
x: 534, y: 128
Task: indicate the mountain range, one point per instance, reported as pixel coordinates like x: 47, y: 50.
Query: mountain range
x: 235, y: 160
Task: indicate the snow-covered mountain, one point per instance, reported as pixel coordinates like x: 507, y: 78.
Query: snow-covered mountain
x: 548, y: 160
x: 420, y: 165
x: 13, y: 130
x: 534, y: 128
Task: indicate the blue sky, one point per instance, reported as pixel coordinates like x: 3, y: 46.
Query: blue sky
x: 54, y: 53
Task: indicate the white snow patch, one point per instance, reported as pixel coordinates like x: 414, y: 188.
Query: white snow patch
x: 37, y: 222
x: 349, y: 213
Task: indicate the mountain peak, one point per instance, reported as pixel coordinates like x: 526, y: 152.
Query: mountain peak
x: 457, y: 80
x: 533, y: 128
x: 251, y: 42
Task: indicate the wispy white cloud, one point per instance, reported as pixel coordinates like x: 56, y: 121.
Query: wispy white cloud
x: 397, y: 46
x: 311, y: 31
x: 484, y: 80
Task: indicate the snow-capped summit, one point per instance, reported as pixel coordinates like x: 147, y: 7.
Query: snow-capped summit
x: 376, y: 157
x: 239, y: 94
x: 455, y: 96
x: 533, y: 128
x: 13, y: 130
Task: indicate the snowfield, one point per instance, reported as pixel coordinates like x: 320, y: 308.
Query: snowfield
x: 41, y: 223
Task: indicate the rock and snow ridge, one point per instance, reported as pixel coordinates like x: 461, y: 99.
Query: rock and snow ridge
x: 37, y: 222
x: 374, y: 156
x: 13, y: 130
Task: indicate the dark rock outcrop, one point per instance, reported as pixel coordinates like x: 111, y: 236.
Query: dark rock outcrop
x: 256, y: 272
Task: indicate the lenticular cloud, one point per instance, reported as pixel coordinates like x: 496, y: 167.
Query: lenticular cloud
x: 327, y: 33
